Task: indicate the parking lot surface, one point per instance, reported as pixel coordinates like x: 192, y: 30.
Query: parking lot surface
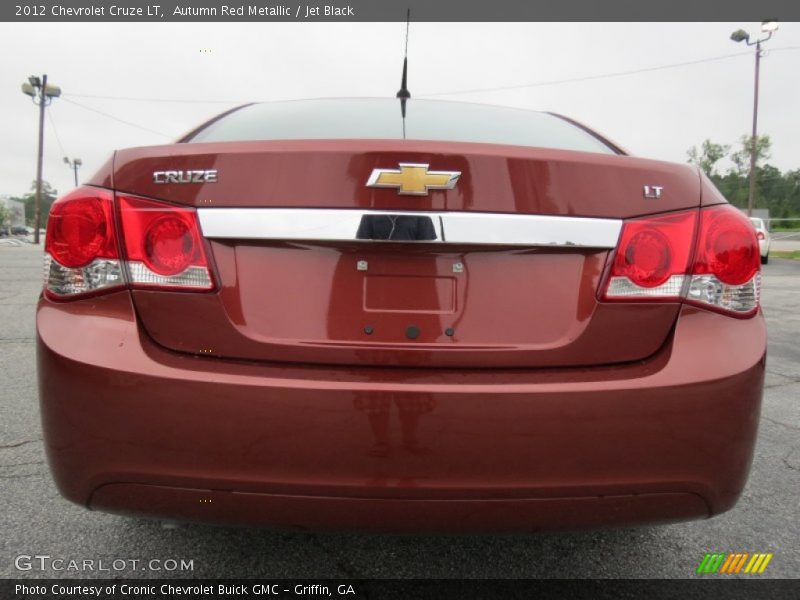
x: 34, y: 519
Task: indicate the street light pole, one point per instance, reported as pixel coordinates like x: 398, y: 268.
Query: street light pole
x: 38, y: 89
x: 768, y: 27
x: 74, y: 164
x: 37, y: 211
x: 754, y: 138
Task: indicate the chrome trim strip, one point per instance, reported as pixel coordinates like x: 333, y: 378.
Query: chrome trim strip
x: 320, y: 224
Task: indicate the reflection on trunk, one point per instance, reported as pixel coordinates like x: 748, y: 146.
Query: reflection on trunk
x: 378, y: 407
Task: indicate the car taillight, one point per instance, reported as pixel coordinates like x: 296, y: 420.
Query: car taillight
x: 81, y: 252
x: 163, y: 247
x: 652, y: 257
x: 652, y: 261
x: 760, y: 235
x: 726, y: 273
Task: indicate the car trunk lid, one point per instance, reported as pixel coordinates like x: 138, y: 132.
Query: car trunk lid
x: 502, y: 270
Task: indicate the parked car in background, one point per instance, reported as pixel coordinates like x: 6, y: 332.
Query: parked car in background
x: 364, y: 314
x: 763, y: 238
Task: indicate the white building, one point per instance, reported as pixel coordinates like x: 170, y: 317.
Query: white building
x: 17, y: 210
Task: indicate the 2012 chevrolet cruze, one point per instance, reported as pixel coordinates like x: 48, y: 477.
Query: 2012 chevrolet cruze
x: 334, y: 313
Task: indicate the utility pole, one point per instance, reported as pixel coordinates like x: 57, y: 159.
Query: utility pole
x: 74, y: 164
x: 41, y: 94
x: 37, y: 211
x: 754, y: 138
x: 740, y: 35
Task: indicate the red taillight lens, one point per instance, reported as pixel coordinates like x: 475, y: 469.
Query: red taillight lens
x: 651, y: 261
x: 81, y: 228
x: 652, y: 257
x: 760, y: 236
x: 163, y: 245
x: 726, y: 273
x: 81, y: 253
x: 727, y: 246
x: 646, y: 258
x: 169, y: 245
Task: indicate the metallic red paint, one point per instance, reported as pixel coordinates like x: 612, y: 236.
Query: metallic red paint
x: 666, y: 438
x: 264, y: 402
x: 306, y: 303
x: 494, y: 178
x: 519, y: 307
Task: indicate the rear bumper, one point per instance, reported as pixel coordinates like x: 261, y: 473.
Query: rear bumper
x: 130, y: 427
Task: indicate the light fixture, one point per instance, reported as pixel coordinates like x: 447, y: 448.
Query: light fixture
x: 740, y: 35
x: 770, y: 26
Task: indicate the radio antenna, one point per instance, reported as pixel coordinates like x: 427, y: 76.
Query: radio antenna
x: 403, y: 94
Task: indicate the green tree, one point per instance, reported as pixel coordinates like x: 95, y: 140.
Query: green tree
x: 49, y: 195
x: 776, y: 191
x: 707, y: 156
x: 741, y: 158
x: 5, y: 218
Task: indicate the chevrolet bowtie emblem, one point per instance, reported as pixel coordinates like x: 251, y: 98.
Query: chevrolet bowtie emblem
x: 413, y: 179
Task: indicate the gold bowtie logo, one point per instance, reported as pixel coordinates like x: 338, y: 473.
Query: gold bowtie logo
x: 413, y: 179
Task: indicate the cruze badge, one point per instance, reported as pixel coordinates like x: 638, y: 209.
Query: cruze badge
x: 206, y: 176
x: 413, y: 179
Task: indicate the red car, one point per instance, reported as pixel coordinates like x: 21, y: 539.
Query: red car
x: 331, y: 313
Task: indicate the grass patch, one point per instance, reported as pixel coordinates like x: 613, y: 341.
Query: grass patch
x: 792, y: 255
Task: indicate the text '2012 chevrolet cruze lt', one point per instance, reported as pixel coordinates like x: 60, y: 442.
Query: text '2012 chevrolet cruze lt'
x: 338, y: 313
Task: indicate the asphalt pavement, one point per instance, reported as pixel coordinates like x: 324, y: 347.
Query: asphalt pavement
x: 34, y: 519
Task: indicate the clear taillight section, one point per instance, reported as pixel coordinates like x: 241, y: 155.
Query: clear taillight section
x: 163, y: 245
x: 159, y: 246
x: 708, y: 257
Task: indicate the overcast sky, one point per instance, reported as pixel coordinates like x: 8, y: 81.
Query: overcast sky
x: 657, y: 114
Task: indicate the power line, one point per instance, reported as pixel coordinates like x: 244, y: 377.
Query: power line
x: 55, y: 132
x: 590, y: 77
x: 110, y: 116
x: 606, y: 75
x: 455, y: 92
x: 768, y: 52
x: 138, y: 99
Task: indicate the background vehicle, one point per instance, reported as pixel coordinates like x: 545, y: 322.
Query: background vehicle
x: 762, y: 234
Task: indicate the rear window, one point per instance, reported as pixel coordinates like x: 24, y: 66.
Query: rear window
x: 374, y: 118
